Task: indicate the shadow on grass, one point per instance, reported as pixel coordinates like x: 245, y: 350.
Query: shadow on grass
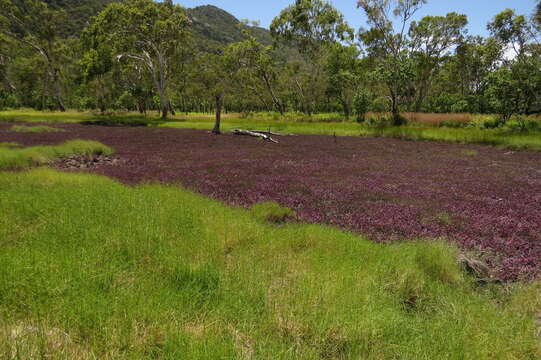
x: 127, y: 121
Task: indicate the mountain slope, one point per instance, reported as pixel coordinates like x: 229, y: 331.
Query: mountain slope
x: 79, y: 13
x: 213, y: 27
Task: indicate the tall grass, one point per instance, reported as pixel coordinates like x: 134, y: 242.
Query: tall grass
x: 19, y: 158
x: 93, y: 269
x: 494, y: 137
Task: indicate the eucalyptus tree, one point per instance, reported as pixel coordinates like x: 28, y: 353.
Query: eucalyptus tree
x: 147, y: 33
x: 515, y: 87
x: 255, y: 61
x: 537, y: 14
x: 342, y: 65
x: 512, y: 30
x: 474, y: 60
x: 312, y: 26
x: 96, y: 66
x: 391, y: 48
x: 215, y: 77
x: 433, y: 40
x: 33, y: 25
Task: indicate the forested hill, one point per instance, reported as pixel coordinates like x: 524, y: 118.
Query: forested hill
x: 79, y: 13
x: 215, y: 27
x: 212, y: 27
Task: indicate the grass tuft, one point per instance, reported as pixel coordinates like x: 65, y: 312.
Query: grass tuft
x: 9, y: 144
x: 34, y: 129
x: 40, y: 155
x: 273, y: 212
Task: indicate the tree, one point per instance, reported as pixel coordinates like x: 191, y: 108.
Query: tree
x: 96, y: 64
x: 432, y: 40
x: 32, y: 24
x: 537, y: 14
x: 516, y: 85
x: 147, y: 33
x: 390, y: 48
x: 507, y: 94
x: 257, y: 61
x: 215, y: 75
x: 511, y: 30
x: 342, y: 66
x: 362, y: 101
x: 312, y: 26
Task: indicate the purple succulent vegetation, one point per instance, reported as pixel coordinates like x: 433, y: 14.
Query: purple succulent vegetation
x: 385, y: 188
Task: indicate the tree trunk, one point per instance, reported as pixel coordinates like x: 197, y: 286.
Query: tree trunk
x: 58, y: 91
x: 217, y: 124
x: 275, y: 100
x: 171, y: 108
x: 346, y: 108
x: 397, y: 119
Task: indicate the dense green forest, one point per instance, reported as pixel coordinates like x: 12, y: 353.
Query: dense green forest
x: 142, y: 55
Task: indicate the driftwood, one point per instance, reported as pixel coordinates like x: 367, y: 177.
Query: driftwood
x: 257, y: 134
x: 272, y: 133
x: 477, y: 268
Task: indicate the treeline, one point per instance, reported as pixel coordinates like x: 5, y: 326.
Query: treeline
x: 142, y: 55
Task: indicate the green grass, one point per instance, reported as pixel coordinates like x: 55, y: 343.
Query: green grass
x: 90, y: 268
x: 9, y: 144
x: 28, y: 115
x: 311, y: 128
x: 34, y: 129
x: 20, y: 158
x: 321, y: 124
x: 495, y: 137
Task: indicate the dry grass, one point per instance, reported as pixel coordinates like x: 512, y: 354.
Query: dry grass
x: 437, y: 119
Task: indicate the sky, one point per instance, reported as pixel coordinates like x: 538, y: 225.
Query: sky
x: 479, y: 12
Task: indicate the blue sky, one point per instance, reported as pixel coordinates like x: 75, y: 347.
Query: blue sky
x: 479, y: 11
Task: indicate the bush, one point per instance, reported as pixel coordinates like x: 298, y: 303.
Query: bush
x: 362, y: 103
x: 380, y: 105
x: 487, y: 122
x: 521, y: 123
x: 272, y: 212
x: 379, y: 121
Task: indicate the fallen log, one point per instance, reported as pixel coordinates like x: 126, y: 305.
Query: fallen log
x: 254, y: 134
x: 272, y: 133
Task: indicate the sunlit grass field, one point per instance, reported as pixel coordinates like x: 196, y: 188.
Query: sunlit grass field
x: 421, y: 127
x: 92, y: 269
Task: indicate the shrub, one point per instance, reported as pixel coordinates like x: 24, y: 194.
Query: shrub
x: 438, y: 260
x: 379, y: 121
x: 380, y: 105
x: 273, y: 212
x: 362, y: 102
x: 521, y: 123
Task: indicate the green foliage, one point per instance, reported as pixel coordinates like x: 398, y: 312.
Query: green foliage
x: 311, y: 24
x: 508, y: 91
x: 510, y: 28
x: 9, y: 144
x: 362, y: 103
x: 20, y: 158
x: 272, y: 212
x: 378, y: 121
x: 167, y: 273
x: 142, y: 32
